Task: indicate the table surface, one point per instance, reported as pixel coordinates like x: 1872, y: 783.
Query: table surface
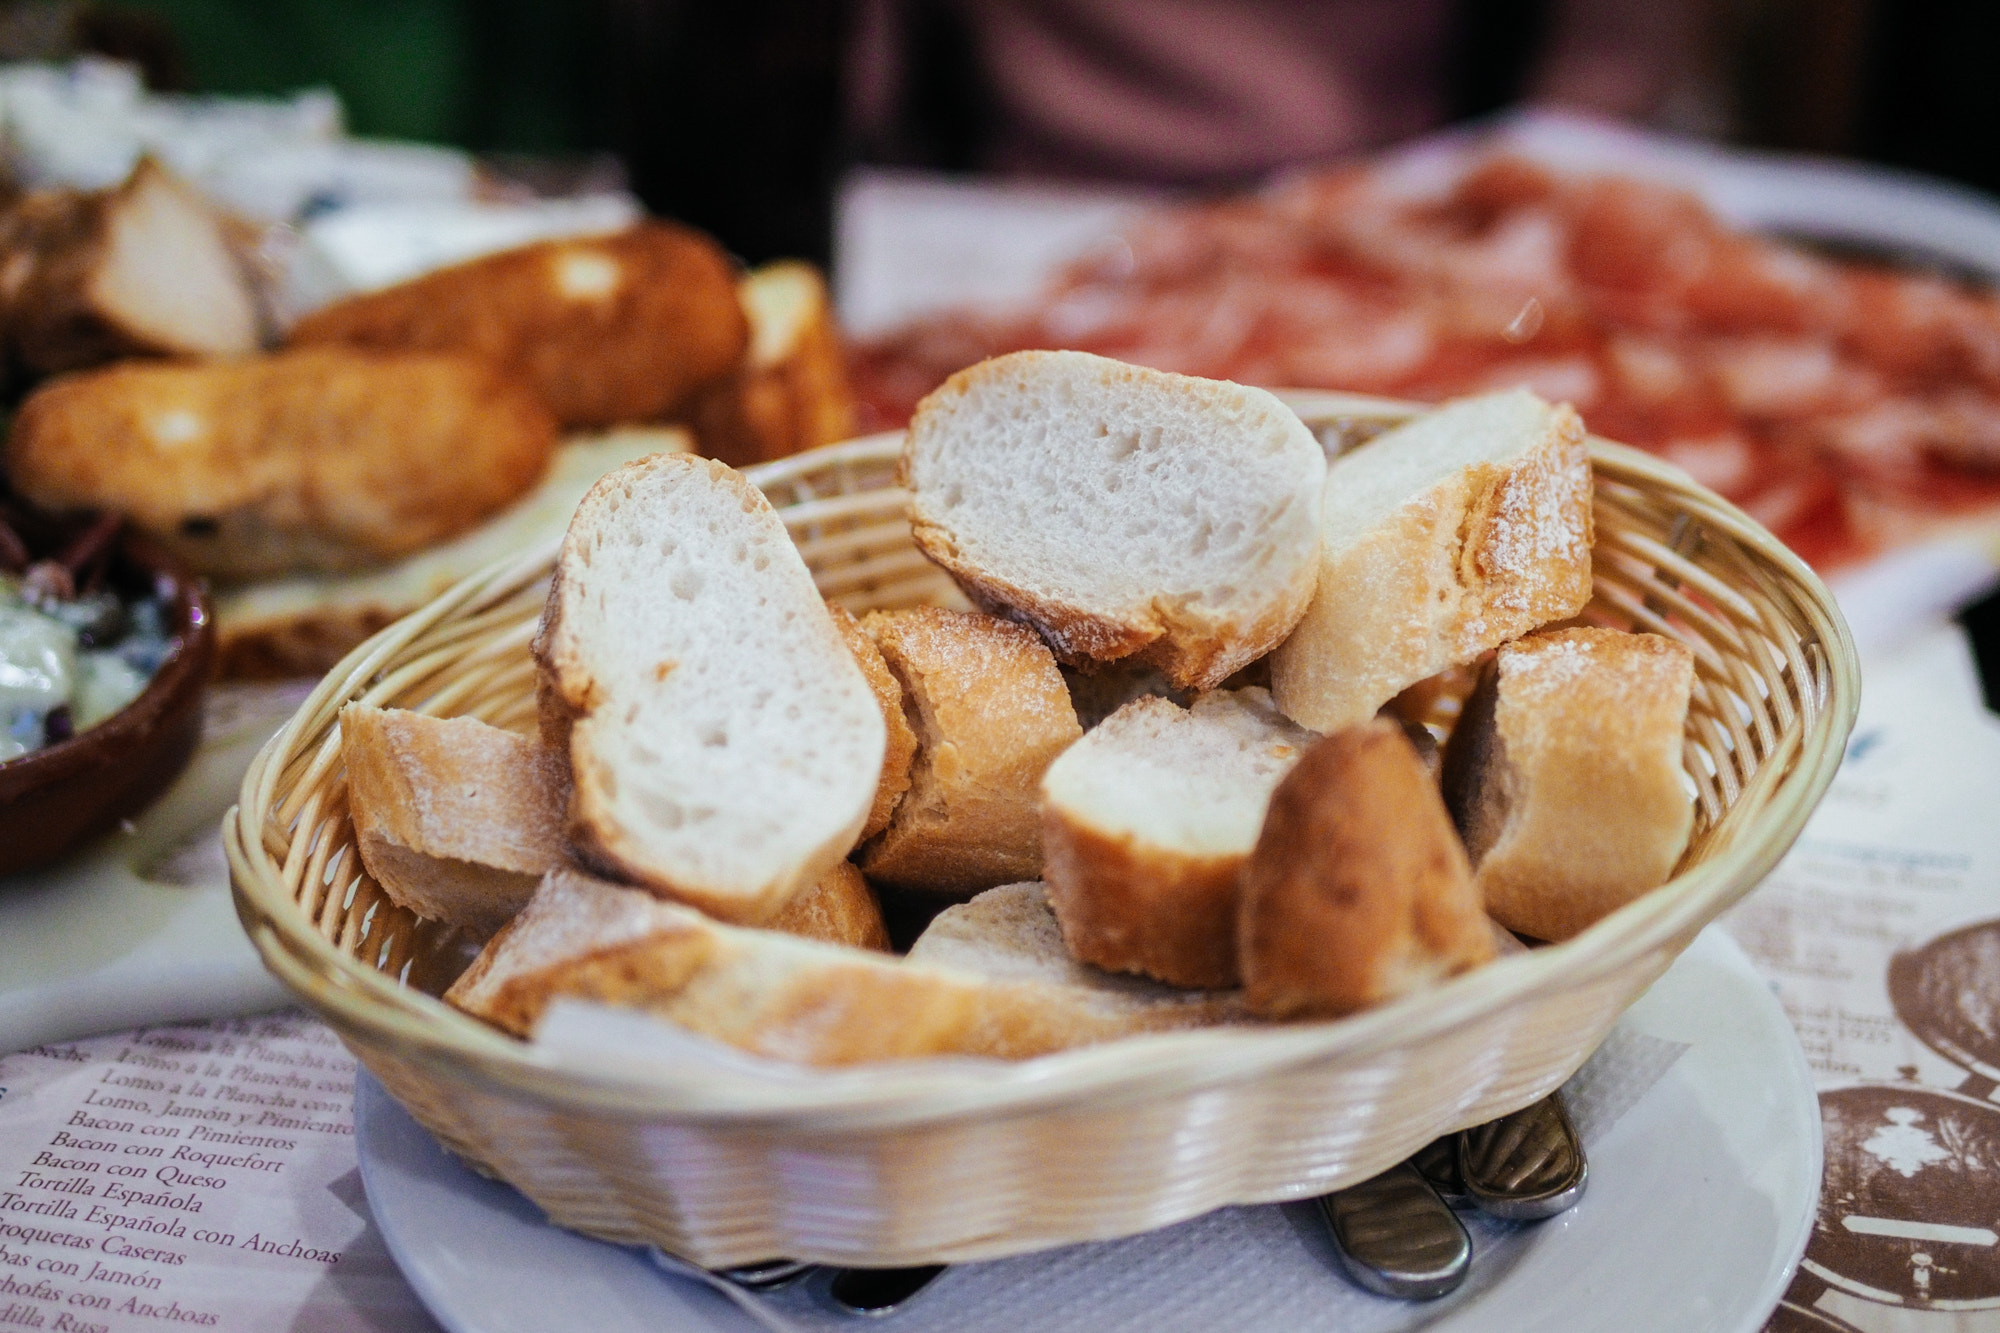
x: 1905, y: 850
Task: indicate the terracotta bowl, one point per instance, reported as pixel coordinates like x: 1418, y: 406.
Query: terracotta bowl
x: 56, y: 798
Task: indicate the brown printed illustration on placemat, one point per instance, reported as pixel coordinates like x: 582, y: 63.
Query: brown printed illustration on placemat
x: 1909, y: 1212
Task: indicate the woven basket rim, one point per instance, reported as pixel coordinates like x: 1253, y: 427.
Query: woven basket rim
x: 376, y: 1010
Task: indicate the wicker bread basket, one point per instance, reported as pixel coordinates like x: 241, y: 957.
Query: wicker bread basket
x: 948, y: 1161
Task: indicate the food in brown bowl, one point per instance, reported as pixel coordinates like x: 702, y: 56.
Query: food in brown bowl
x: 95, y: 728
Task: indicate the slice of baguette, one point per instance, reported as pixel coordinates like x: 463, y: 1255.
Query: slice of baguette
x: 767, y: 993
x: 455, y: 819
x: 725, y: 748
x: 303, y: 624
x: 1146, y: 822
x: 1011, y: 934
x: 1564, y: 775
x: 790, y: 394
x: 1445, y: 537
x: 900, y: 750
x: 1358, y: 890
x: 990, y: 712
x: 1120, y: 511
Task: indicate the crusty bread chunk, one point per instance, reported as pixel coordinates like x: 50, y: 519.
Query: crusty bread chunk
x: 1564, y: 775
x: 724, y: 747
x: 1011, y: 934
x: 1121, y: 511
x: 146, y: 268
x: 791, y: 392
x: 455, y: 819
x: 990, y: 713
x: 321, y: 459
x: 1358, y: 890
x: 303, y: 624
x: 1146, y: 822
x: 1445, y: 537
x: 622, y: 327
x: 840, y: 909
x: 771, y: 994
x: 900, y: 749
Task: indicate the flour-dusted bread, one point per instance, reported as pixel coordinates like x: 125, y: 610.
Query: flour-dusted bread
x: 1121, y: 511
x: 1564, y: 775
x: 1445, y: 537
x: 1146, y: 822
x: 724, y: 747
x: 455, y: 819
x: 1011, y: 934
x: 840, y: 909
x: 991, y: 713
x: 1358, y: 890
x: 323, y: 459
x: 899, y: 751
x: 771, y: 994
x: 628, y: 326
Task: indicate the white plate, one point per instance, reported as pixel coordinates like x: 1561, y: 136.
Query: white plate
x: 1700, y: 1201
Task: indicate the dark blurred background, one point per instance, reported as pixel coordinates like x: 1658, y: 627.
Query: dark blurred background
x: 740, y: 116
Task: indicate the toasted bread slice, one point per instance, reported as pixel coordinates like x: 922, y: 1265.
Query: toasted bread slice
x: 608, y: 329
x: 1358, y: 890
x: 322, y: 459
x: 1564, y: 775
x: 1146, y: 822
x: 900, y: 751
x: 1120, y: 511
x: 1445, y: 537
x: 455, y: 819
x: 145, y: 268
x: 771, y: 994
x: 725, y: 748
x: 790, y: 394
x: 1011, y: 934
x: 990, y: 712
x: 303, y: 624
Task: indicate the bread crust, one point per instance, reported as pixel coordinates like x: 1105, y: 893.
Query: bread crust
x: 324, y: 459
x: 455, y: 819
x: 607, y: 329
x: 1131, y: 907
x: 1489, y: 554
x: 900, y: 750
x: 791, y: 391
x: 1564, y: 775
x: 990, y: 712
x: 1358, y: 890
x: 839, y: 909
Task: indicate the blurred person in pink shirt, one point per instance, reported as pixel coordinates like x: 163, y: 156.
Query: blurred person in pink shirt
x: 1219, y: 92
